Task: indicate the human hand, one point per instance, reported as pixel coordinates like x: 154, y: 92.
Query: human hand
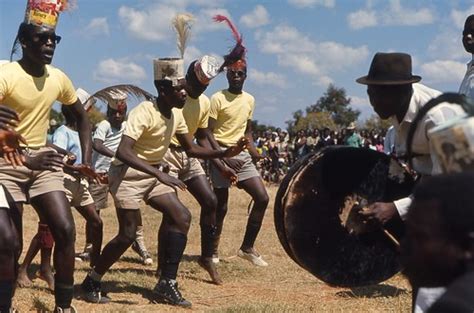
x: 171, y: 181
x: 381, y: 212
x: 235, y: 150
x: 234, y: 164
x: 229, y: 174
x: 45, y: 161
x: 8, y: 118
x: 10, y: 147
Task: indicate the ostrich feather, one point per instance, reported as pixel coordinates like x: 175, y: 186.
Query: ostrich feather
x: 182, y: 24
x: 221, y: 18
x: 132, y: 90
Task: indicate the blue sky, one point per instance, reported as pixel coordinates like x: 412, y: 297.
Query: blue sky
x: 295, y: 47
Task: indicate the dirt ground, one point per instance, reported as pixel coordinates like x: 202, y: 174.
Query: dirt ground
x: 281, y: 287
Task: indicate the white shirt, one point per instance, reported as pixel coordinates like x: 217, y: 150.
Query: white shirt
x: 111, y: 138
x: 427, y: 163
x: 467, y: 85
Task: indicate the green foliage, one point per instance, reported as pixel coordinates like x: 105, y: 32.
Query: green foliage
x: 56, y: 116
x: 95, y: 116
x: 375, y: 122
x: 335, y: 102
x: 257, y: 127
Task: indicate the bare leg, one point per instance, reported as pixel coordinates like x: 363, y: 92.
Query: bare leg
x: 94, y: 226
x: 201, y: 190
x: 55, y: 209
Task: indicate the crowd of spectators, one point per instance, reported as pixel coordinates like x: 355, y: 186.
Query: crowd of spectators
x: 282, y: 149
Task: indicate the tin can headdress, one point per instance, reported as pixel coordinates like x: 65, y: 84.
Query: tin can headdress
x: 86, y: 99
x: 45, y: 12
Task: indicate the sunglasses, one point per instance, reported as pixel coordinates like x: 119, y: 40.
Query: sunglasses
x: 239, y: 73
x: 43, y: 38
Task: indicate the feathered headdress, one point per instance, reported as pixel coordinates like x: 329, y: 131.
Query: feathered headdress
x: 237, y: 54
x: 110, y: 94
x: 182, y: 24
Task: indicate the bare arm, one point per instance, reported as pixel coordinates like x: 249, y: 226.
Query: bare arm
x: 197, y: 151
x: 251, y: 147
x: 84, y: 129
x: 99, y: 146
x: 126, y: 155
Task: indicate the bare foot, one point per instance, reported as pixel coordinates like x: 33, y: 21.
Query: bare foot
x: 48, y: 277
x: 211, y: 268
x: 23, y: 280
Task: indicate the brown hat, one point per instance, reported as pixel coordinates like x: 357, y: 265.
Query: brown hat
x: 389, y: 69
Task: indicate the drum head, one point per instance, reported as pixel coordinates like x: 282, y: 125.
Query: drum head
x: 315, y: 210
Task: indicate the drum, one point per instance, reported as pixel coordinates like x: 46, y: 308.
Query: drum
x: 317, y: 220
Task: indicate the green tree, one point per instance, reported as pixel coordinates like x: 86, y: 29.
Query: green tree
x: 291, y: 124
x: 57, y: 116
x: 337, y: 104
x: 375, y: 122
x: 95, y: 116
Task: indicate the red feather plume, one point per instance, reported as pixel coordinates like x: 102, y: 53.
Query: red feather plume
x: 238, y: 52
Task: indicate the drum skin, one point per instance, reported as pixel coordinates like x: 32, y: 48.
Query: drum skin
x: 308, y: 223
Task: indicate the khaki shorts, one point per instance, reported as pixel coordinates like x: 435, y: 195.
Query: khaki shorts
x: 77, y: 191
x: 129, y: 187
x: 182, y: 166
x: 247, y: 171
x: 24, y: 184
x: 100, y: 194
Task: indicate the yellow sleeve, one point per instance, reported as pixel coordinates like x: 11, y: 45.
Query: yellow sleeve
x: 3, y: 84
x: 181, y: 127
x: 252, y: 107
x: 68, y: 93
x: 137, y: 122
x: 214, y: 109
x: 204, y: 121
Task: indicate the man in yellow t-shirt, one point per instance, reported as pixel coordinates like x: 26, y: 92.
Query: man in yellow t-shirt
x: 189, y: 170
x: 137, y: 175
x: 28, y: 90
x: 229, y: 119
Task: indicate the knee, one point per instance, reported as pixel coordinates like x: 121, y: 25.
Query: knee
x: 184, y: 222
x: 64, y: 234
x: 9, y: 243
x: 210, y: 204
x: 127, y: 235
x: 261, y: 201
x: 97, y: 224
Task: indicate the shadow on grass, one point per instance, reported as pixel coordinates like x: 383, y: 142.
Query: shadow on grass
x: 113, y: 287
x: 374, y: 291
x: 40, y: 306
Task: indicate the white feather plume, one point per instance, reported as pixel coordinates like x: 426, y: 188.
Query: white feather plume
x: 182, y: 24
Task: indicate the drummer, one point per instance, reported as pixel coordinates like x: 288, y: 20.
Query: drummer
x: 396, y: 94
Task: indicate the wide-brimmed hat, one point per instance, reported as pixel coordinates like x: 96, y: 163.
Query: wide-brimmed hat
x: 389, y: 69
x: 351, y: 126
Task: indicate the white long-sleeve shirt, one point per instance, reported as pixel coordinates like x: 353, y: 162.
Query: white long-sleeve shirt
x: 426, y: 163
x: 467, y: 85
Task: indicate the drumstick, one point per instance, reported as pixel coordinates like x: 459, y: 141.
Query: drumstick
x: 391, y: 237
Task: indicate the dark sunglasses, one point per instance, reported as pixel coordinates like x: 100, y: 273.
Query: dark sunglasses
x: 43, y: 38
x: 239, y: 73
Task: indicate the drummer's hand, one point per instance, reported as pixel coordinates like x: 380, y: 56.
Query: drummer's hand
x: 381, y: 212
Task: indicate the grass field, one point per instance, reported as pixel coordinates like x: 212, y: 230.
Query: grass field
x: 281, y: 287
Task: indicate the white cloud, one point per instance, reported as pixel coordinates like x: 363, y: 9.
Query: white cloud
x: 362, y: 19
x: 448, y: 45
x: 312, y: 3
x: 363, y: 105
x: 256, y: 18
x: 153, y: 24
x: 394, y: 15
x: 459, y: 17
x: 268, y: 78
x: 113, y: 71
x: 97, y: 26
x: 305, y: 56
x: 443, y: 71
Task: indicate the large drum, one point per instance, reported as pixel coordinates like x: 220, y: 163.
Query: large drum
x: 317, y: 220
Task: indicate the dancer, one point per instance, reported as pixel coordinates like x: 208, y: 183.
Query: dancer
x: 43, y: 186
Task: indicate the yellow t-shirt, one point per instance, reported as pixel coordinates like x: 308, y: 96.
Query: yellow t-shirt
x: 196, y: 115
x: 152, y: 131
x: 231, y: 113
x: 32, y: 98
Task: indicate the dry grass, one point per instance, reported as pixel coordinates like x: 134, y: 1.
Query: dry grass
x: 281, y: 287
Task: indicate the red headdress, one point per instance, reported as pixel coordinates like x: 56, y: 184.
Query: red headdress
x: 236, y: 57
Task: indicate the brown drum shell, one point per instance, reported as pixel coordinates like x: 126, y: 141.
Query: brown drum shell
x: 308, y: 225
